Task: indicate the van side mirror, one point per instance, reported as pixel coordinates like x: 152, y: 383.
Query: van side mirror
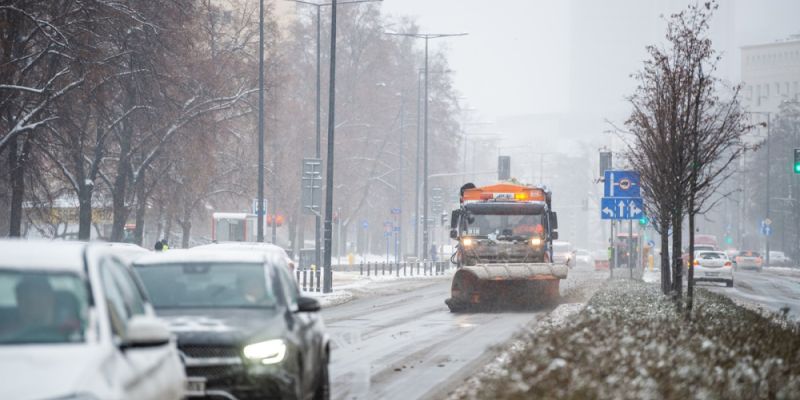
x: 146, y: 331
x: 453, y: 234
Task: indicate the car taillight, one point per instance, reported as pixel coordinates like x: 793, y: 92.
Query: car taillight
x: 696, y: 263
x: 759, y: 260
x: 728, y: 264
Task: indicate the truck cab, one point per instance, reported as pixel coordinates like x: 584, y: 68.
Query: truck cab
x: 504, y: 223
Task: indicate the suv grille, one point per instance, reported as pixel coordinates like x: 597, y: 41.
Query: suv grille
x: 196, y: 351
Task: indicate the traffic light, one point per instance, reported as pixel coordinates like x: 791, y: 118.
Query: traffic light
x: 797, y: 161
x: 643, y: 221
x: 503, y: 168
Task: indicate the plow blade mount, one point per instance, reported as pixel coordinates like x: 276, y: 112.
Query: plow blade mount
x: 489, y: 286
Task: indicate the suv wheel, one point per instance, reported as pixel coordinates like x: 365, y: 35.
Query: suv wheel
x: 323, y: 391
x: 729, y: 283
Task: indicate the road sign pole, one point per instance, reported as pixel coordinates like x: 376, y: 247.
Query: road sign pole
x: 630, y: 247
x: 612, y: 261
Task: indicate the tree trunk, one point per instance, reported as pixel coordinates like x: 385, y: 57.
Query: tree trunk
x: 141, y: 208
x: 187, y: 231
x: 84, y: 211
x: 677, y: 256
x: 17, y: 163
x: 120, y: 188
x: 666, y: 281
x: 690, y: 277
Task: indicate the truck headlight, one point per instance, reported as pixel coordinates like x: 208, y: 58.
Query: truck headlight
x: 468, y: 242
x: 268, y: 352
x: 536, y: 242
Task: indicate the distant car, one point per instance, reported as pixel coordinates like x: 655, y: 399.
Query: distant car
x: 584, y: 258
x: 267, y: 248
x: 243, y: 329
x: 562, y: 253
x: 778, y: 259
x: 75, y: 324
x: 713, y: 266
x: 747, y: 259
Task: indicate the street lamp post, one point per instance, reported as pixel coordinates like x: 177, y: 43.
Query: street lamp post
x: 261, y: 211
x: 767, y: 192
x: 427, y: 37
x: 318, y: 152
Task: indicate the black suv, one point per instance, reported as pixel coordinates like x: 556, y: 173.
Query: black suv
x: 243, y: 330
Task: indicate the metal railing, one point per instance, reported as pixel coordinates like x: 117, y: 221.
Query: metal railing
x: 310, y: 279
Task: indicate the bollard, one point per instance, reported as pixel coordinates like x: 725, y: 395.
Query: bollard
x: 397, y: 269
x: 361, y: 268
x: 376, y: 268
x: 369, y: 269
x: 305, y: 287
x: 317, y: 272
x: 383, y: 268
x: 418, y: 267
x: 405, y: 264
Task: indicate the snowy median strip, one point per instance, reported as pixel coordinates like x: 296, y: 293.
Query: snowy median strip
x: 630, y: 342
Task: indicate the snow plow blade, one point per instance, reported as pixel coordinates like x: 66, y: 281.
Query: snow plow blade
x: 492, y: 286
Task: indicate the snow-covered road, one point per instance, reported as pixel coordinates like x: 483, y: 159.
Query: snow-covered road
x: 773, y: 289
x: 408, y: 345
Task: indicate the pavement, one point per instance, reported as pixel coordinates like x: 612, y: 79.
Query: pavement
x: 400, y: 341
x: 774, y: 289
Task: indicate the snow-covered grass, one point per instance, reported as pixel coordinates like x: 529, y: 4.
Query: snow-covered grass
x: 630, y: 342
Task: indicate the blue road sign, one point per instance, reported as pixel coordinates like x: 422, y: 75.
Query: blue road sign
x: 621, y: 184
x: 621, y: 208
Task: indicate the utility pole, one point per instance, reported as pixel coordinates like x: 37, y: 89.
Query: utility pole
x: 327, y: 286
x: 318, y: 153
x: 427, y: 37
x: 261, y: 210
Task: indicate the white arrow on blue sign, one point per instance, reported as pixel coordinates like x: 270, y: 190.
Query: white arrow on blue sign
x: 621, y: 208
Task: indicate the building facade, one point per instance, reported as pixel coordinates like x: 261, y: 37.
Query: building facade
x: 771, y: 74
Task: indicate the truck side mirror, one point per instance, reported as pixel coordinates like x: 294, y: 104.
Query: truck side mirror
x: 453, y: 234
x: 454, y: 219
x: 554, y: 225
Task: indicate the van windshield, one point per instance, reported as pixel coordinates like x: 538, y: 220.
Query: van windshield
x: 42, y: 307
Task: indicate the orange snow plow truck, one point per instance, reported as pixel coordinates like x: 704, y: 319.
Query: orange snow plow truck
x: 504, y: 254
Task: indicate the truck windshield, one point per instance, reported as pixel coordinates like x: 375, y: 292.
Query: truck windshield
x: 505, y: 226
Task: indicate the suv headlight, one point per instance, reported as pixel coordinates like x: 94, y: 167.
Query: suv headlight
x: 268, y: 352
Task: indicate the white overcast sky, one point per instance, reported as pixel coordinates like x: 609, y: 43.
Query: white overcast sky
x: 516, y: 59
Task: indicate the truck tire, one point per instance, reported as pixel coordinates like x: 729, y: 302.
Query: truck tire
x: 729, y: 283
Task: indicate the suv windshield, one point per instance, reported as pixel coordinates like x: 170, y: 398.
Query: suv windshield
x: 749, y: 254
x: 42, y: 307
x: 505, y: 226
x: 209, y: 285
